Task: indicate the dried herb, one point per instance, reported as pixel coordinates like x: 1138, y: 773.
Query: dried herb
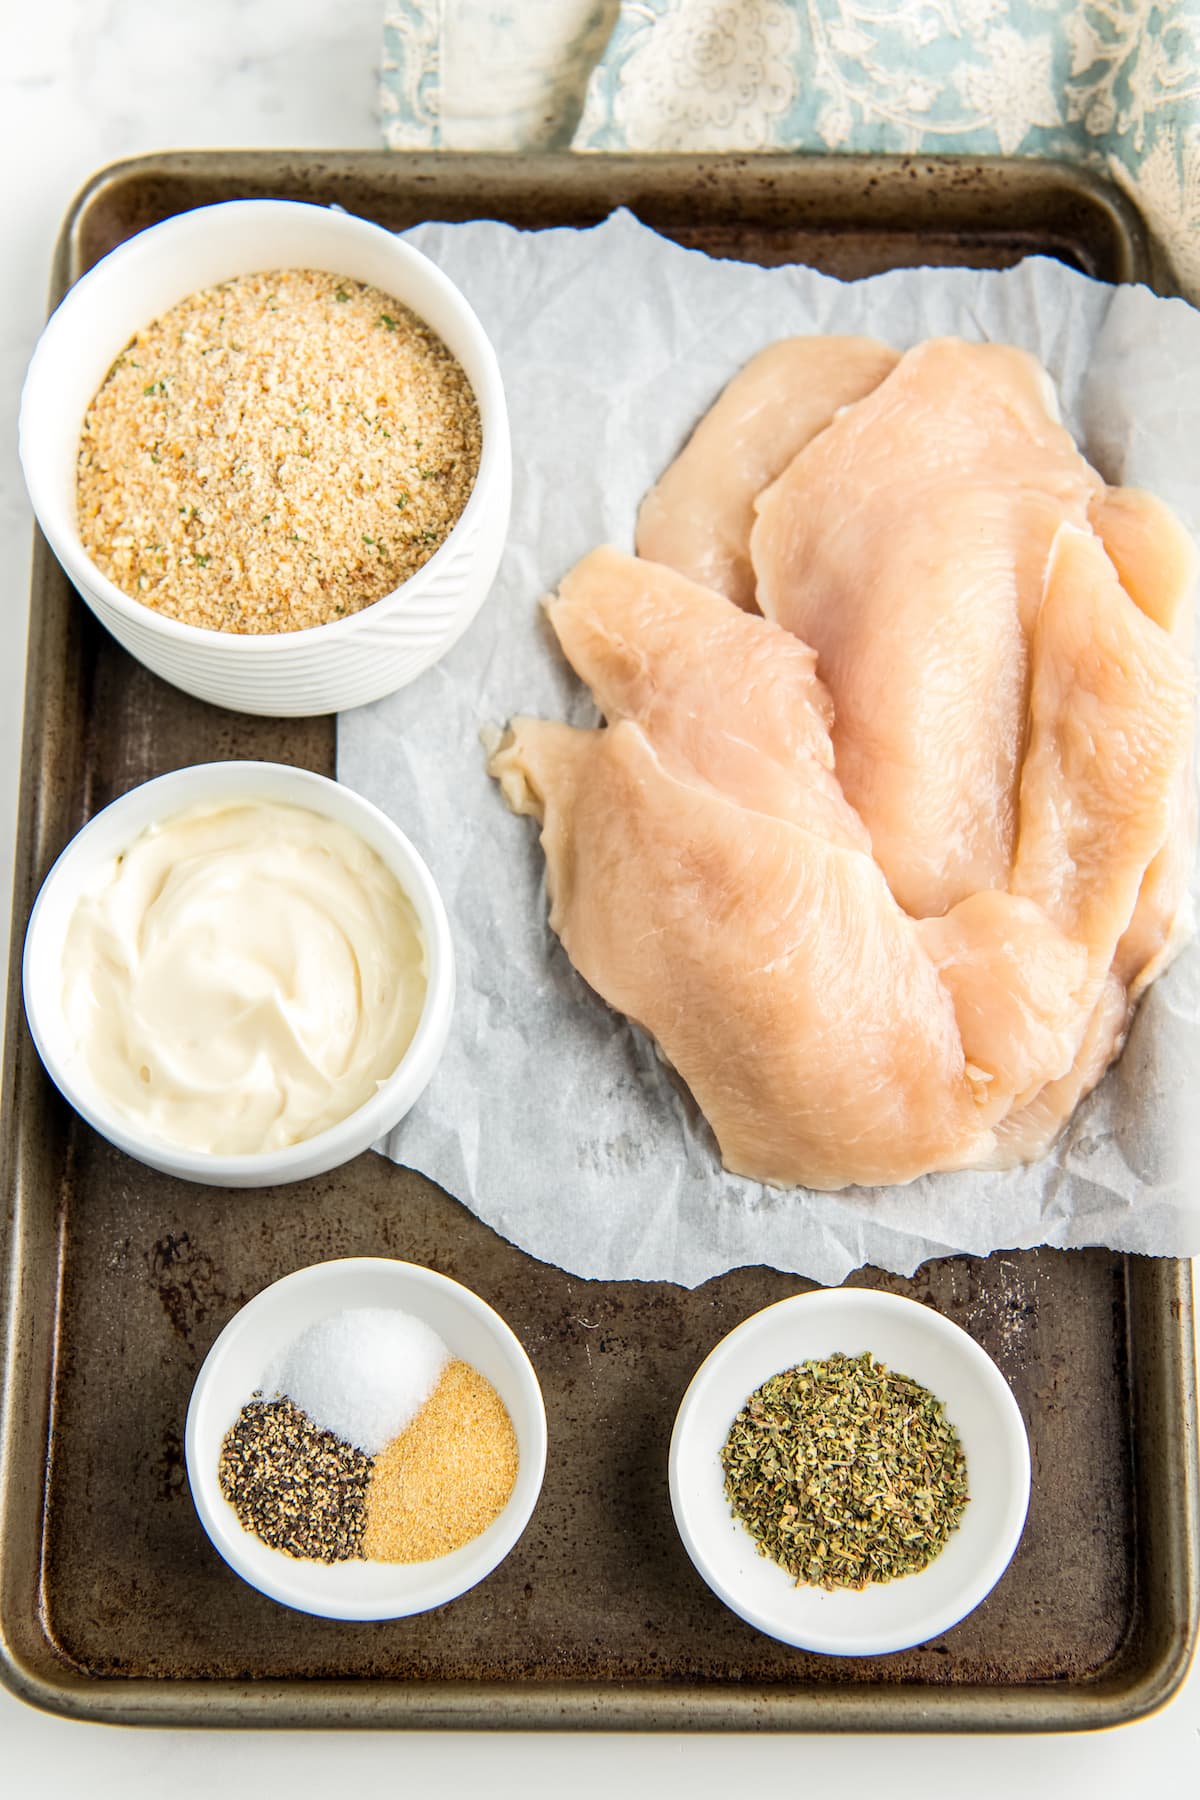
x: 296, y: 1488
x: 845, y: 1472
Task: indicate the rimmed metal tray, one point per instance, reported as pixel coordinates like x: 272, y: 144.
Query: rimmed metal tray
x: 112, y: 1603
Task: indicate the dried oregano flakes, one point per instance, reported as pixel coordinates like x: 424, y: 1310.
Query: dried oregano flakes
x: 845, y: 1472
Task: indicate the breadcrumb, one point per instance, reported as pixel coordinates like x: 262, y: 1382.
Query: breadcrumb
x: 276, y: 452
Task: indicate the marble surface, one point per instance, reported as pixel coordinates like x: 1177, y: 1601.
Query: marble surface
x: 87, y: 82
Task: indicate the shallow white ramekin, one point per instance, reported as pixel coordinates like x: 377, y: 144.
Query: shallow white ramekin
x: 237, y: 1364
x: 913, y: 1340
x: 326, y: 668
x: 112, y: 831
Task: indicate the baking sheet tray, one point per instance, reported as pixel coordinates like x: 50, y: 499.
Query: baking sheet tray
x: 112, y: 1603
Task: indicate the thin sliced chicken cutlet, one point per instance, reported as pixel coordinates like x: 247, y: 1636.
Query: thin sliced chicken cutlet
x: 1020, y: 989
x: 1029, y: 1130
x: 772, y: 968
x: 1110, y: 710
x: 722, y: 694
x: 735, y: 702
x: 1008, y: 647
x: 1154, y: 557
x: 671, y: 836
x: 1112, y: 705
x: 907, y: 545
x: 1156, y: 562
x: 699, y: 516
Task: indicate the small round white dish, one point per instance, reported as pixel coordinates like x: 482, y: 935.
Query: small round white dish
x: 913, y: 1340
x: 327, y: 668
x: 110, y: 832
x: 237, y: 1364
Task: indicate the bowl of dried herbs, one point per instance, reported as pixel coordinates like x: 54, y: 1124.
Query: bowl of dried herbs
x: 850, y: 1472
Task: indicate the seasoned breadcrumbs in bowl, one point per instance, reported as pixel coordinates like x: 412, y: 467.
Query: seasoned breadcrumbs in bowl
x: 276, y: 452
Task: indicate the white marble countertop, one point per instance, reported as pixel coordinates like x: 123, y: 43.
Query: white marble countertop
x: 93, y: 80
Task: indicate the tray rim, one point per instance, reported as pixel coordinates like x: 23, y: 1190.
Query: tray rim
x: 1158, y: 1290
x: 1139, y: 254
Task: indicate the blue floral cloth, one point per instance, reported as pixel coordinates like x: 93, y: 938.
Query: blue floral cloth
x: 1113, y: 83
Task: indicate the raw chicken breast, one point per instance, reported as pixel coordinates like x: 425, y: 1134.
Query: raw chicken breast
x: 708, y: 881
x: 1157, y: 565
x: 1153, y: 555
x: 884, y: 872
x: 699, y: 516
x: 736, y: 702
x: 772, y: 968
x: 1109, y: 756
x: 1020, y: 989
x: 907, y: 544
x: 723, y: 694
x: 1110, y: 710
x: 1030, y: 1130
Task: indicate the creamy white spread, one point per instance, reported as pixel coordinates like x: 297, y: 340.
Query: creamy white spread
x: 242, y: 977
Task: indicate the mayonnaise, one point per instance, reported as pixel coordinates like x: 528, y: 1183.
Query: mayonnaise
x: 242, y: 977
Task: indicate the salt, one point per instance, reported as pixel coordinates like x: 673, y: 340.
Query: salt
x: 363, y: 1374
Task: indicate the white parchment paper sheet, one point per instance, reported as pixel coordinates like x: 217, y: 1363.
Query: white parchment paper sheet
x: 550, y: 1116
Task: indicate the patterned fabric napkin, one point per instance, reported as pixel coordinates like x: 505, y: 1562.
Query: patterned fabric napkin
x: 1111, y: 83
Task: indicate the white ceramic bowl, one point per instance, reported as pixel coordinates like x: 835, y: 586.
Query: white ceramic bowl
x: 237, y: 1364
x: 914, y: 1340
x: 112, y: 831
x: 327, y: 668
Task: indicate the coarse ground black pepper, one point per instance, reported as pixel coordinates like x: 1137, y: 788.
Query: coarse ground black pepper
x: 296, y: 1488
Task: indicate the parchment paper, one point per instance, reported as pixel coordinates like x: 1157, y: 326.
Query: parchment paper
x: 551, y: 1117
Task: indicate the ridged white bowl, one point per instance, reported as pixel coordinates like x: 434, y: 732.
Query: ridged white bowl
x: 237, y: 1365
x: 327, y: 668
x: 113, y: 830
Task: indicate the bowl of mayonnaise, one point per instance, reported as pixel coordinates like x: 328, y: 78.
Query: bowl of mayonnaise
x: 240, y: 973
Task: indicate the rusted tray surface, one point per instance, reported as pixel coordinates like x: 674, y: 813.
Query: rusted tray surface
x: 113, y: 1605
